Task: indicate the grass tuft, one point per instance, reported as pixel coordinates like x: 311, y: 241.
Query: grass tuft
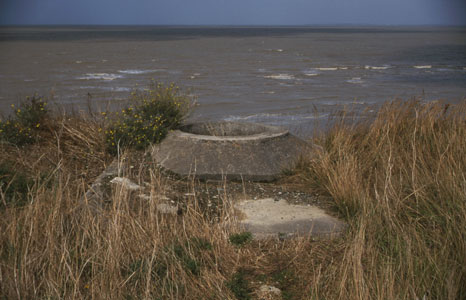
x: 240, y: 239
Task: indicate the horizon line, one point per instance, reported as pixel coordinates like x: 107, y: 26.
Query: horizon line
x: 247, y: 25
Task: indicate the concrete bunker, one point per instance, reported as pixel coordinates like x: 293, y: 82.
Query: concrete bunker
x: 236, y: 151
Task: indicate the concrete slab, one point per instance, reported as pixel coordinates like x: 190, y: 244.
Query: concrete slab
x: 230, y: 150
x: 266, y: 218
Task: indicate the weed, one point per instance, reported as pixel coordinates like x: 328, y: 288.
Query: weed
x: 14, y: 185
x: 239, y: 286
x: 240, y: 239
x: 201, y: 243
x: 189, y: 262
x: 285, y: 279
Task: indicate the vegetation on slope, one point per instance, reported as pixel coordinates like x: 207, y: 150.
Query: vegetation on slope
x: 398, y: 179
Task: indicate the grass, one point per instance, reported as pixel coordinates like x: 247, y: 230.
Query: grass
x: 397, y: 178
x: 240, y: 239
x: 13, y: 185
x: 239, y: 286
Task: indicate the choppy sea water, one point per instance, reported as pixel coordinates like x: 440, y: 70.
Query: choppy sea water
x: 288, y: 76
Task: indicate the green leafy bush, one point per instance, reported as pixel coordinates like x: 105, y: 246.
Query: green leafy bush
x: 22, y: 127
x: 149, y: 117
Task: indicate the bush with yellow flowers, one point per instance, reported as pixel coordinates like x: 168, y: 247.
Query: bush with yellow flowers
x: 152, y: 113
x: 22, y: 127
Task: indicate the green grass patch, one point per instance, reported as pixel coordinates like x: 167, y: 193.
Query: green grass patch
x: 239, y: 286
x: 240, y: 239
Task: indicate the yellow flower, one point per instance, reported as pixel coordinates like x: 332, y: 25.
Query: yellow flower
x: 38, y: 124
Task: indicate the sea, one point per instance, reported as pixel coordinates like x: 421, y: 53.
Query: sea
x: 286, y: 76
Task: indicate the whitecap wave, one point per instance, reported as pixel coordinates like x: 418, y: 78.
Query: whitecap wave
x: 376, y: 67
x: 100, y: 76
x: 423, y: 67
x: 118, y: 89
x: 268, y: 92
x: 327, y: 69
x: 310, y: 73
x: 277, y: 119
x: 280, y: 76
x: 355, y: 80
x: 136, y: 72
x: 250, y: 117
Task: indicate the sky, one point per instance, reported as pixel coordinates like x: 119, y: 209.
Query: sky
x: 233, y: 12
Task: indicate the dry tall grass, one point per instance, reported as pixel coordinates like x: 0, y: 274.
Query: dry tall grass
x: 398, y: 180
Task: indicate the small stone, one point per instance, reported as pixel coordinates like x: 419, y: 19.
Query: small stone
x: 144, y: 197
x: 268, y: 292
x: 126, y: 183
x: 166, y: 208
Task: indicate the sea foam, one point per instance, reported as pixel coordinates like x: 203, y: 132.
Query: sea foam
x: 355, y: 80
x: 280, y: 76
x: 100, y: 76
x: 376, y: 68
x: 328, y: 69
x: 136, y: 72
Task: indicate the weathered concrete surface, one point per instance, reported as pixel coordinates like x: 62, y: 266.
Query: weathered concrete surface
x: 266, y: 218
x: 230, y: 150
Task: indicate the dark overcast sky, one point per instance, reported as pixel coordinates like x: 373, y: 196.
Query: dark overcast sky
x: 233, y: 12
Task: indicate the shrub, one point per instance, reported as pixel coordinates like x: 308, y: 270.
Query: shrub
x: 152, y: 113
x: 22, y: 128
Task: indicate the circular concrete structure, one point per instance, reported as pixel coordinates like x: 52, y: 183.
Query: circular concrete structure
x: 230, y: 150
